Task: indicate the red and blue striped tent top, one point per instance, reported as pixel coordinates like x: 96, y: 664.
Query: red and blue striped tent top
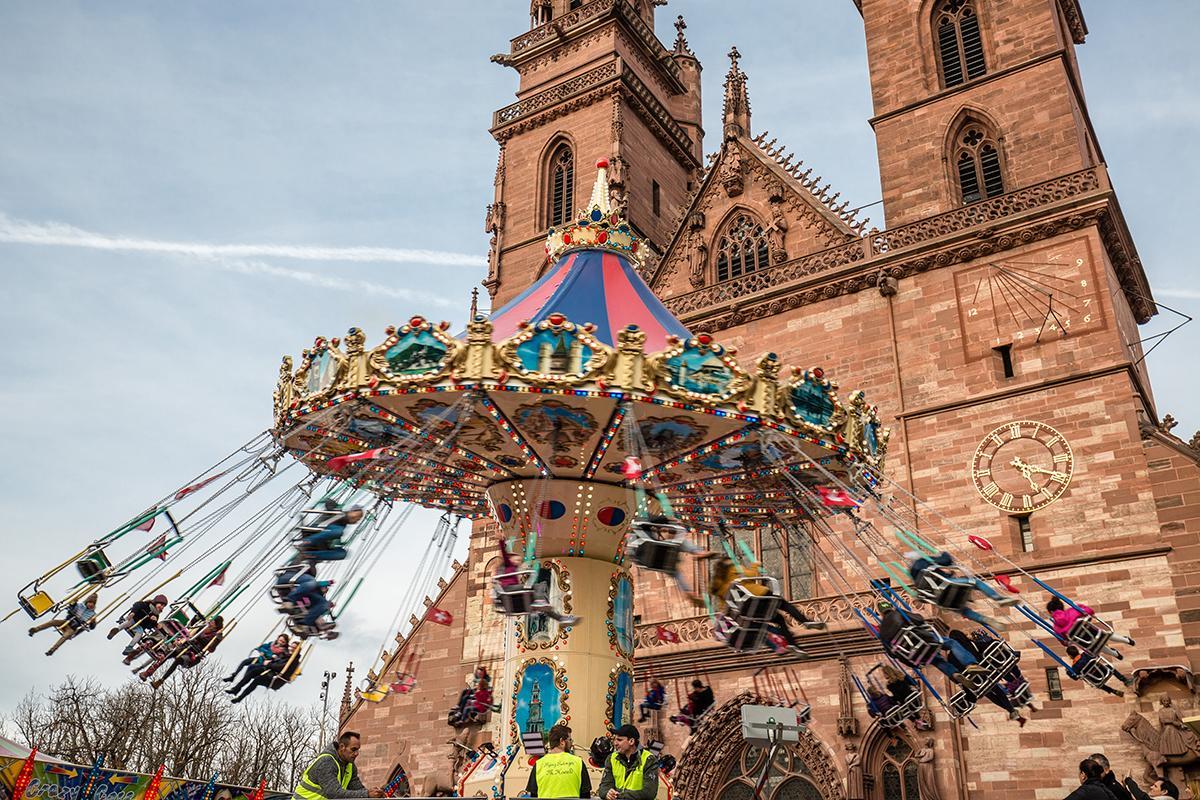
x: 596, y: 286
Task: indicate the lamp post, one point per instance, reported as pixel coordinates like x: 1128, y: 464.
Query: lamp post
x: 326, y: 680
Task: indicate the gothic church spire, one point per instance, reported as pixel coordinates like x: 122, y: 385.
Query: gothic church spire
x: 737, y: 99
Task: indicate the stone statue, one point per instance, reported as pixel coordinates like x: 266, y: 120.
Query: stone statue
x: 731, y: 171
x: 855, y: 787
x: 1174, y: 738
x: 926, y: 774
x: 777, y: 234
x: 697, y: 256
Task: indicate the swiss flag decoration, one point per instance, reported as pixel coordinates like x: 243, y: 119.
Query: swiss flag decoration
x: 666, y: 635
x: 158, y: 548
x: 367, y: 455
x: 195, y: 487
x: 439, y: 615
x: 1006, y: 582
x: 836, y: 498
x: 778, y: 643
x: 219, y: 580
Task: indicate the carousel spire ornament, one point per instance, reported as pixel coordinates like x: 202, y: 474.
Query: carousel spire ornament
x: 597, y: 226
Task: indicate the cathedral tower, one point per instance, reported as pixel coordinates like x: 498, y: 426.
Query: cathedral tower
x: 595, y: 82
x: 991, y: 102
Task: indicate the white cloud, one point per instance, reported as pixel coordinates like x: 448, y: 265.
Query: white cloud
x: 58, y: 234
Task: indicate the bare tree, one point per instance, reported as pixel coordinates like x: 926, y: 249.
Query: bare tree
x: 188, y: 725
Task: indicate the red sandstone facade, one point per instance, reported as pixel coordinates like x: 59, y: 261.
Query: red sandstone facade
x: 926, y: 317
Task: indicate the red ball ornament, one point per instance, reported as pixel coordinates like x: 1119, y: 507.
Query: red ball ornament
x: 704, y: 338
x: 556, y: 319
x: 818, y: 373
x: 602, y: 163
x: 532, y: 760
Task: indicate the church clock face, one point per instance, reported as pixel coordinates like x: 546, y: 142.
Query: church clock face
x: 1022, y: 466
x: 1029, y: 299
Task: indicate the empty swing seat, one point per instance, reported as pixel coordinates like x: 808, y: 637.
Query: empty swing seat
x: 916, y: 645
x: 93, y: 566
x: 36, y: 604
x: 1090, y: 634
x: 936, y: 587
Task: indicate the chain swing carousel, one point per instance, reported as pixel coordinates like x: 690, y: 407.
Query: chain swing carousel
x: 578, y: 410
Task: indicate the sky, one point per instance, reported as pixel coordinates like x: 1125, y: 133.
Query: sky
x: 189, y: 191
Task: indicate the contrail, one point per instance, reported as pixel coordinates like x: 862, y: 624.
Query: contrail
x: 253, y: 267
x: 61, y: 235
x: 1185, y: 294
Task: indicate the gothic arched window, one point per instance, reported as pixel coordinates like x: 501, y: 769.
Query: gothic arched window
x: 977, y: 165
x: 742, y: 249
x: 789, y: 778
x: 959, y: 42
x: 897, y: 772
x: 560, y: 186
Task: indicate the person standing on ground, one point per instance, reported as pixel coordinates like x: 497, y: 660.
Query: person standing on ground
x: 332, y: 774
x: 1109, y: 779
x: 559, y: 773
x: 630, y: 773
x: 1091, y: 785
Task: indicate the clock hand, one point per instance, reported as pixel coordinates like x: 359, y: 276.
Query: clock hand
x: 1026, y: 471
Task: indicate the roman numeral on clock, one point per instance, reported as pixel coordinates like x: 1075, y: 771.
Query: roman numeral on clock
x: 991, y: 490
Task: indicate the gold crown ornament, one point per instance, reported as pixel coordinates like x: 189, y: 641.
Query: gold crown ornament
x: 597, y: 227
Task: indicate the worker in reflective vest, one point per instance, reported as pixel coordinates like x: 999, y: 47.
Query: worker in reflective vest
x: 630, y: 773
x: 559, y: 773
x: 332, y: 774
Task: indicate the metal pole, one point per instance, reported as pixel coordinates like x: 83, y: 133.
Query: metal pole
x: 328, y: 678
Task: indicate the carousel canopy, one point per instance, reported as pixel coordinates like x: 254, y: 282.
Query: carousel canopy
x: 581, y: 372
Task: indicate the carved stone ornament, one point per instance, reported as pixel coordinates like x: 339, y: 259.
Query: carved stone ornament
x: 731, y: 174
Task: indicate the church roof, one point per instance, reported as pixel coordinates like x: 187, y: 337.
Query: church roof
x: 837, y: 218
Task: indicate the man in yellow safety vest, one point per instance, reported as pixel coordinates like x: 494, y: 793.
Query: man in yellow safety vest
x: 559, y: 773
x: 630, y: 773
x: 332, y: 774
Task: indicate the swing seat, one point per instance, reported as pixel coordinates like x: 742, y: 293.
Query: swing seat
x: 897, y: 714
x: 745, y: 606
x: 916, y: 645
x: 656, y: 555
x: 1090, y: 634
x: 93, y: 566
x: 374, y: 694
x: 1097, y: 672
x: 285, y: 580
x: 743, y: 635
x: 517, y: 599
x: 36, y: 604
x: 404, y: 683
x: 999, y: 658
x: 1021, y: 695
x: 981, y: 682
x: 944, y: 590
x: 961, y: 703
